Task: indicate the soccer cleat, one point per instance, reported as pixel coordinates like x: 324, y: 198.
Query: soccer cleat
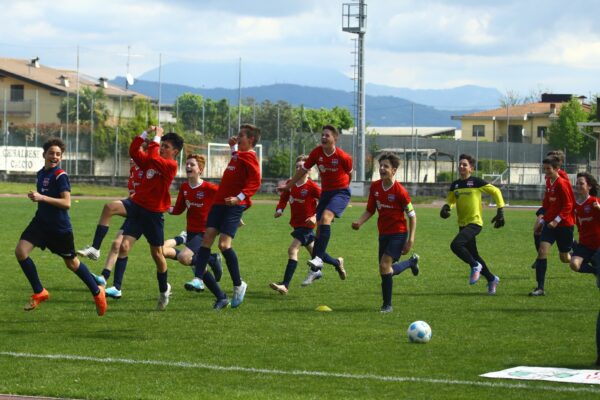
x: 312, y: 276
x: 414, y: 268
x: 340, y: 269
x: 475, y: 274
x: 89, y: 252
x: 100, y: 300
x: 220, y: 304
x: 315, y: 263
x: 238, y: 295
x: 163, y: 299
x: 100, y: 281
x: 183, y: 236
x: 493, y: 285
x: 217, y: 267
x: 36, y: 299
x: 195, y: 284
x: 278, y: 287
x: 113, y: 292
x: 386, y: 309
x: 537, y: 292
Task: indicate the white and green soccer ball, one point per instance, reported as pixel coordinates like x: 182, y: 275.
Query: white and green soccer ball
x: 419, y: 332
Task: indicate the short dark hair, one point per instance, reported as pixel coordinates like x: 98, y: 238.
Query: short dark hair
x: 554, y: 161
x: 253, y: 132
x: 333, y: 130
x: 54, y: 141
x: 391, y: 157
x: 472, y: 161
x: 591, y: 181
x: 175, y: 139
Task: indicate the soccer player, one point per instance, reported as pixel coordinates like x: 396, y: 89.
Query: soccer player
x: 196, y: 196
x: 51, y: 228
x: 391, y: 200
x: 465, y: 193
x: 240, y: 181
x: 557, y: 220
x: 587, y: 218
x: 335, y: 168
x: 303, y: 198
x: 151, y: 199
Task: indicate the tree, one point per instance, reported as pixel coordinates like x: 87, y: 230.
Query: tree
x: 85, y: 107
x: 563, y: 133
x: 189, y: 111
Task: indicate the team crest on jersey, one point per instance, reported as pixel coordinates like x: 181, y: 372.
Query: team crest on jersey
x: 391, y: 197
x: 234, y: 157
x: 587, y: 208
x: 200, y: 195
x: 335, y: 162
x: 303, y: 192
x: 470, y: 183
x: 46, y: 182
x: 150, y: 173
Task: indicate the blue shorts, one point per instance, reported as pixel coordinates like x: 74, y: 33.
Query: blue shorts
x: 225, y: 219
x: 194, y: 241
x: 145, y: 222
x: 60, y: 243
x: 562, y: 235
x: 304, y: 235
x: 335, y: 201
x: 128, y: 204
x: 392, y: 245
x: 584, y: 252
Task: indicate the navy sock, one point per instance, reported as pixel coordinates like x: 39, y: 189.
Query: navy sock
x: 233, y: 266
x: 176, y: 254
x: 485, y: 271
x: 327, y: 259
x: 106, y: 273
x: 162, y: 281
x: 101, y: 231
x: 213, y: 286
x: 120, y: 266
x: 212, y: 260
x: 540, y: 272
x: 84, y: 274
x: 201, y: 261
x: 401, y: 266
x: 178, y: 240
x: 387, y: 284
x: 586, y: 268
x: 322, y: 241
x: 30, y: 272
x: 290, y: 268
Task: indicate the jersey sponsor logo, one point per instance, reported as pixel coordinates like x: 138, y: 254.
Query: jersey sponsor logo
x: 381, y: 205
x: 189, y: 204
x: 587, y: 219
x: 150, y: 173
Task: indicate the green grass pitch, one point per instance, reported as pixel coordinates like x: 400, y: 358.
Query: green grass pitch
x: 279, y: 347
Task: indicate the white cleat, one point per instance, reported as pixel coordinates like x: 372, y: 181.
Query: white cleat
x: 89, y: 252
x: 163, y: 299
x: 312, y: 276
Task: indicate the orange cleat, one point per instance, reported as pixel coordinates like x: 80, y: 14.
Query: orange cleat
x: 100, y: 300
x: 36, y: 299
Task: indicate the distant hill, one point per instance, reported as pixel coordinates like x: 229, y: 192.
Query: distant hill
x: 381, y: 110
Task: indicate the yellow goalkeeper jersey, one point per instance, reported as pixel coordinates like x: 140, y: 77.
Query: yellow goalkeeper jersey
x: 465, y: 194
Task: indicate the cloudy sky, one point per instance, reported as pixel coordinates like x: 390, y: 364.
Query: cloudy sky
x: 517, y: 45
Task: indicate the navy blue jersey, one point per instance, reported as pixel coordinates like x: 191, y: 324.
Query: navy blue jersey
x: 52, y: 183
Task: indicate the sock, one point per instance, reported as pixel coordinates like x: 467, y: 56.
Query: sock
x: 327, y: 259
x: 536, y: 241
x: 120, y: 266
x: 106, y: 273
x: 201, y: 261
x: 290, y: 268
x: 485, y: 270
x: 178, y: 240
x: 586, y: 268
x: 322, y: 241
x: 176, y: 253
x: 401, y: 266
x: 213, y: 286
x: 84, y: 274
x: 101, y: 231
x: 540, y: 272
x: 233, y: 266
x: 387, y: 284
x: 212, y: 260
x: 162, y: 281
x: 30, y: 272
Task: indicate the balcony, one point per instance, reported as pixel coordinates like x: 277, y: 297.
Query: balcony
x: 17, y: 108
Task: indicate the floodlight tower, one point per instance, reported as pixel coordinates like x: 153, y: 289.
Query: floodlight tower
x: 354, y: 20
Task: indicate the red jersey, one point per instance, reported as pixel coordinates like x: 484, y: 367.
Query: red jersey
x: 391, y: 204
x: 153, y: 191
x: 558, y: 202
x: 135, y: 178
x: 564, y: 175
x: 197, y: 200
x: 588, y: 223
x: 303, y: 201
x: 242, y: 175
x: 334, y: 169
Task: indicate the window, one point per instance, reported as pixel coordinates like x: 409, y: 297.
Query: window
x: 479, y: 130
x: 542, y: 131
x: 17, y: 92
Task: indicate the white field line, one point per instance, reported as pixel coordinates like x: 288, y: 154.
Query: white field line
x: 324, y: 374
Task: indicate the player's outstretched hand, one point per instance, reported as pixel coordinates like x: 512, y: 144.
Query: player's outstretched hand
x: 445, y: 211
x: 355, y: 225
x: 498, y: 220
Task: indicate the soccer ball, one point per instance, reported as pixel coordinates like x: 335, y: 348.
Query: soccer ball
x: 419, y: 332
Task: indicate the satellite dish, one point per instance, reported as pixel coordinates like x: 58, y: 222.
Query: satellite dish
x: 129, y: 79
